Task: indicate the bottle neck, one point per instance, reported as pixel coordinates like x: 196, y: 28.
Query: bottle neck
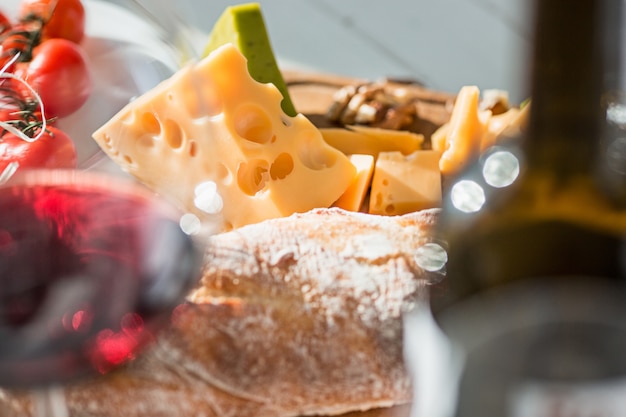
x: 566, y: 86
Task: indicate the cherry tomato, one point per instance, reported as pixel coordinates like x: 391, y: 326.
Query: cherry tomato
x: 60, y: 74
x: 54, y: 149
x: 61, y: 18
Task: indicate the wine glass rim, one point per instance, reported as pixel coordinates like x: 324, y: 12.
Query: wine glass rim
x: 118, y: 185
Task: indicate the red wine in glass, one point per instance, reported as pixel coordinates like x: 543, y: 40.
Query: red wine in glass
x: 90, y: 268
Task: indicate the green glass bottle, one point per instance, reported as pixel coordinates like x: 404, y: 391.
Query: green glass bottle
x: 534, y: 299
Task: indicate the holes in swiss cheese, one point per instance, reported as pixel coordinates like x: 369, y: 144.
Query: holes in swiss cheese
x: 173, y: 134
x: 150, y: 124
x: 282, y: 167
x: 193, y: 148
x: 170, y: 130
x: 252, y: 176
x: 253, y: 124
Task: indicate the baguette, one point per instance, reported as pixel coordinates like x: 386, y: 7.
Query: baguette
x: 293, y: 316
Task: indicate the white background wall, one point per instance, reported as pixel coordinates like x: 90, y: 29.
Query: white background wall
x: 444, y: 43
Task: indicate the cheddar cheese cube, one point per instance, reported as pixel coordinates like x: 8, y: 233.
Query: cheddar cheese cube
x: 404, y: 184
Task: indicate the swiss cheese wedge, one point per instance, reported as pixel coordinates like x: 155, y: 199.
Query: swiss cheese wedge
x: 212, y: 127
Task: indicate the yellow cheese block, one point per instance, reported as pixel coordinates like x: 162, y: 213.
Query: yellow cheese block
x: 216, y: 142
x: 403, y: 184
x: 354, y: 196
x: 371, y: 141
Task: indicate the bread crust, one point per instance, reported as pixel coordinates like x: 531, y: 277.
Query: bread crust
x: 294, y: 316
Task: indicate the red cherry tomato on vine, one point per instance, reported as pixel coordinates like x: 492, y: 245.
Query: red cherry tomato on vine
x: 61, y: 18
x: 60, y: 74
x: 23, y: 113
x: 20, y: 39
x: 13, y: 43
x: 54, y: 149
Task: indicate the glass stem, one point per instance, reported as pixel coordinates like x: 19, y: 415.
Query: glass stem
x: 50, y: 402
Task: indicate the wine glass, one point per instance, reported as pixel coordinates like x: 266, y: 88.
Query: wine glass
x: 91, y: 262
x: 90, y: 268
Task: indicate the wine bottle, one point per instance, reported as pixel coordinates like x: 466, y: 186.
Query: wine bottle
x: 534, y: 299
